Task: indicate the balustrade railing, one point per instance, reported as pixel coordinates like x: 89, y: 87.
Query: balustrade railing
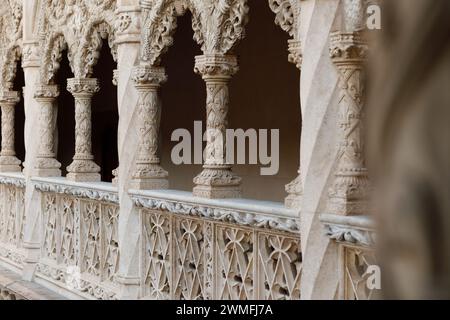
x: 12, y: 219
x: 79, y: 237
x: 195, y: 248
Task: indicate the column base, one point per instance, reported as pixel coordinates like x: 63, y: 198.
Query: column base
x: 295, y: 192
x: 47, y: 167
x: 83, y: 171
x: 10, y: 164
x: 293, y: 201
x: 84, y: 177
x: 217, y: 183
x: 150, y: 177
x: 345, y: 207
x: 149, y: 184
x: 349, y: 194
x: 217, y: 192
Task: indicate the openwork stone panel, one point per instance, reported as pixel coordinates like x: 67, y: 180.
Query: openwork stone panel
x: 356, y: 264
x: 193, y: 258
x: 12, y: 222
x: 80, y: 250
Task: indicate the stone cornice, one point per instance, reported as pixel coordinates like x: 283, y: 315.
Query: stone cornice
x: 79, y: 190
x: 353, y: 230
x: 258, y: 215
x: 16, y: 181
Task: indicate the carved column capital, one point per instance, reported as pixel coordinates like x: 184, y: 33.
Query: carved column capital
x: 46, y: 92
x: 128, y: 24
x: 30, y: 54
x: 295, y: 53
x: 9, y: 97
x: 216, y: 66
x: 348, y: 48
x: 83, y: 87
x: 146, y: 76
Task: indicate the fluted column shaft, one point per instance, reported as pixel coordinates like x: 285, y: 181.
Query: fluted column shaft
x: 216, y: 180
x: 83, y: 168
x: 8, y: 160
x: 351, y: 185
x: 46, y: 163
x: 148, y: 173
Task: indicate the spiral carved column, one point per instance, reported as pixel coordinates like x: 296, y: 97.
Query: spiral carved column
x: 83, y: 167
x: 216, y: 180
x: 46, y: 163
x: 148, y: 173
x: 8, y: 160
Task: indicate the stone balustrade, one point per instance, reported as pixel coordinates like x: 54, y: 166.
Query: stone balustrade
x: 12, y: 219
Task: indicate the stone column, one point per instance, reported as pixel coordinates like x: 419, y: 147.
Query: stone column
x: 83, y: 167
x: 216, y: 180
x: 8, y: 160
x: 46, y: 163
x: 148, y: 174
x: 295, y: 188
x: 348, y: 194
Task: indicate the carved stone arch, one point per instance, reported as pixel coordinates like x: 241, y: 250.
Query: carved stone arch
x: 9, y: 66
x: 287, y: 16
x: 10, y: 41
x: 52, y: 48
x: 159, y: 21
x: 89, y: 50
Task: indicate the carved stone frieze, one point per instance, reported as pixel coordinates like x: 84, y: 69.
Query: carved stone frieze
x: 242, y: 218
x: 77, y: 191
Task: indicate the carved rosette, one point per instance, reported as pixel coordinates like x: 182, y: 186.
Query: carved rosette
x: 8, y: 160
x: 83, y: 167
x: 348, y: 194
x: 46, y: 163
x: 216, y: 180
x: 148, y: 173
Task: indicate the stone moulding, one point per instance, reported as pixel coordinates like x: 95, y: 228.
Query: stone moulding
x: 352, y: 230
x: 18, y: 182
x: 90, y: 192
x: 277, y: 220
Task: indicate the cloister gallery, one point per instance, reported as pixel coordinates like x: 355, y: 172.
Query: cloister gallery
x: 91, y: 205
